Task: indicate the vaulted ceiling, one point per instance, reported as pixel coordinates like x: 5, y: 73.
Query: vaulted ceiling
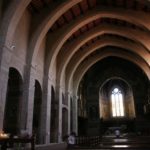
x: 94, y: 22
x: 79, y: 29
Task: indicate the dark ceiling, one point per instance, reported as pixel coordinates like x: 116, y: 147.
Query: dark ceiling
x: 36, y: 7
x: 113, y: 64
x: 141, y: 5
x: 116, y: 71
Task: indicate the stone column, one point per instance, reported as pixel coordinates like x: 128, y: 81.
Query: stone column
x: 29, y: 102
x: 48, y: 118
x: 68, y: 99
x: 4, y: 71
x: 59, y: 99
x: 46, y: 111
x: 3, y: 92
x: 75, y: 114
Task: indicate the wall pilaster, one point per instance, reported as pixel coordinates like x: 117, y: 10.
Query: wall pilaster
x: 59, y: 99
x: 46, y: 111
x: 29, y: 102
x: 4, y: 71
x: 69, y: 109
x: 75, y: 114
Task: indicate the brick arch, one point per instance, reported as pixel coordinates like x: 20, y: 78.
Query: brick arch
x: 80, y: 71
x: 66, y: 54
x: 81, y: 55
x: 60, y: 37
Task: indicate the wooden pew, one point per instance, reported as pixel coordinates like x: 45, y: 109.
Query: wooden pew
x: 126, y: 143
x: 137, y: 142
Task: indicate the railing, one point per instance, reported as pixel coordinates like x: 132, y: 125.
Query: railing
x: 88, y: 141
x: 98, y: 142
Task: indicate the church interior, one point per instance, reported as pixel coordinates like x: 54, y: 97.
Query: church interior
x: 79, y: 66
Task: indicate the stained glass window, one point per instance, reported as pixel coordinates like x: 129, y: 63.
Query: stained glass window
x: 117, y: 103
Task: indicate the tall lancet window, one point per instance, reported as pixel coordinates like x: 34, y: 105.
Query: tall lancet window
x: 117, y: 103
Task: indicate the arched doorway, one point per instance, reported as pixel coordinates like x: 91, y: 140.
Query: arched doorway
x: 64, y: 122
x: 37, y: 111
x: 71, y: 115
x: 13, y: 102
x: 53, y: 119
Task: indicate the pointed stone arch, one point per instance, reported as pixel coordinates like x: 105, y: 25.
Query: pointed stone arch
x: 64, y: 122
x: 86, y: 64
x: 37, y: 110
x: 81, y: 55
x: 70, y: 29
x: 53, y: 120
x: 13, y: 102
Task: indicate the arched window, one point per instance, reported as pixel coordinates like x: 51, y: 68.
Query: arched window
x: 117, y: 103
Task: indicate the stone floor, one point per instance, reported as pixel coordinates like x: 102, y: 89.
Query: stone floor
x: 60, y: 146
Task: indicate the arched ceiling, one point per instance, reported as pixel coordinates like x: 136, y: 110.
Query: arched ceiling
x: 112, y: 83
x: 112, y: 71
x: 84, y: 24
x: 75, y: 61
x: 102, y: 33
x: 101, y: 54
x: 36, y: 5
x: 73, y: 26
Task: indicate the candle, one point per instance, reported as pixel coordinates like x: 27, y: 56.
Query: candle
x: 3, y: 135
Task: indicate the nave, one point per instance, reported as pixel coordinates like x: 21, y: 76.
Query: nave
x: 79, y: 66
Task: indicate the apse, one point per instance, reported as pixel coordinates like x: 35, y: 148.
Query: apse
x: 111, y: 95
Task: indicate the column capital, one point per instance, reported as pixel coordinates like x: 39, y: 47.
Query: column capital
x: 69, y: 93
x: 60, y: 87
x: 75, y: 97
